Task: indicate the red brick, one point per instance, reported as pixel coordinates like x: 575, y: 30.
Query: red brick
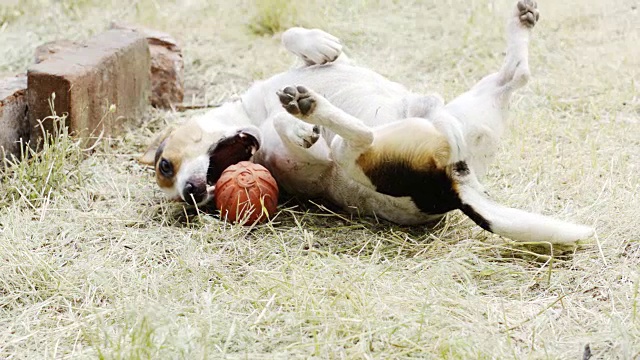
x: 109, y: 69
x: 14, y: 125
x: 46, y: 50
x: 167, y: 66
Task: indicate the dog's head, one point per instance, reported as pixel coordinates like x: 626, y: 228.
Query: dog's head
x: 188, y: 160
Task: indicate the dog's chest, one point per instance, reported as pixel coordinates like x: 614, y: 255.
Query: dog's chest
x: 295, y: 176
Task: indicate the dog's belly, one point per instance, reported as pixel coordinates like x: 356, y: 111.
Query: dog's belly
x: 298, y: 178
x: 360, y: 199
x: 483, y: 122
x: 361, y: 93
x: 301, y: 173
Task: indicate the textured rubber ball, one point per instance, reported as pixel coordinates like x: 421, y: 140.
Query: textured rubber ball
x: 246, y: 193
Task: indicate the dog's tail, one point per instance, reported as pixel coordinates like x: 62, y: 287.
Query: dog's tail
x: 516, y: 224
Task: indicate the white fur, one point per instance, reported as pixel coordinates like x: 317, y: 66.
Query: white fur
x: 354, y: 104
x: 193, y: 169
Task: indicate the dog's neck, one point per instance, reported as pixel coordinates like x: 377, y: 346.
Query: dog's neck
x: 227, y: 120
x: 231, y: 114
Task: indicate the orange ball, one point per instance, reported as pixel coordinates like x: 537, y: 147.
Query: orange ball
x: 246, y: 193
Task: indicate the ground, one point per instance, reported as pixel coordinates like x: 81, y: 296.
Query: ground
x: 95, y: 263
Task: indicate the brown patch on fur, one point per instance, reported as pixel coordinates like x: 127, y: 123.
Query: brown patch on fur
x: 176, y: 146
x: 414, y: 141
x: 149, y: 157
x: 163, y: 181
x: 410, y: 158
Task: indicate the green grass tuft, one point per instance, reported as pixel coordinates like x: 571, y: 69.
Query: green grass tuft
x: 273, y: 16
x: 134, y: 338
x: 50, y: 170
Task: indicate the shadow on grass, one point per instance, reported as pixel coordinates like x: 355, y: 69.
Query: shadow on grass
x: 337, y: 232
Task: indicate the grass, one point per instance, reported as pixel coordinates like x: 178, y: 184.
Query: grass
x: 272, y: 16
x: 49, y: 170
x: 94, y: 263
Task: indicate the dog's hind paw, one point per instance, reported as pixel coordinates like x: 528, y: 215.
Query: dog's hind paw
x: 527, y: 12
x: 297, y: 100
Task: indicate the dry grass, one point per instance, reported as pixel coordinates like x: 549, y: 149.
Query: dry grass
x: 99, y: 265
x: 273, y: 16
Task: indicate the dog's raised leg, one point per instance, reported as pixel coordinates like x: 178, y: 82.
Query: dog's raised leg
x: 482, y: 110
x: 312, y: 46
x: 353, y: 136
x: 515, y: 72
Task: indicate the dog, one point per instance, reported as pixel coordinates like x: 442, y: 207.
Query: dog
x: 335, y: 130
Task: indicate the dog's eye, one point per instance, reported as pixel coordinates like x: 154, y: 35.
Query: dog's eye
x: 165, y: 168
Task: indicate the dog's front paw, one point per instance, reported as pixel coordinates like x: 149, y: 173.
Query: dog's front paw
x: 305, y: 135
x: 314, y: 46
x: 323, y: 48
x: 527, y: 12
x: 297, y: 100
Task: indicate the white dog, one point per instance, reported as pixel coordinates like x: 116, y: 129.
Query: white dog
x: 335, y: 130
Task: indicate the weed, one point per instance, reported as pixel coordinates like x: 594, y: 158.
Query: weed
x: 50, y: 169
x: 273, y: 16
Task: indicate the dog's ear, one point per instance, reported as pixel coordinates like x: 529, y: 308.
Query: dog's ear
x: 254, y: 133
x: 149, y: 157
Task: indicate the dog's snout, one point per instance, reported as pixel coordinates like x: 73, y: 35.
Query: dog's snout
x: 194, y: 192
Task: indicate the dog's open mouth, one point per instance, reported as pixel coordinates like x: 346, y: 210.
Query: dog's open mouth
x: 227, y: 152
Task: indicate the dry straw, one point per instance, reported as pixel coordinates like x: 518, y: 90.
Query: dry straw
x: 95, y: 263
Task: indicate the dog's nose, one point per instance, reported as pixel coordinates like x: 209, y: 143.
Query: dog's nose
x: 194, y: 193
